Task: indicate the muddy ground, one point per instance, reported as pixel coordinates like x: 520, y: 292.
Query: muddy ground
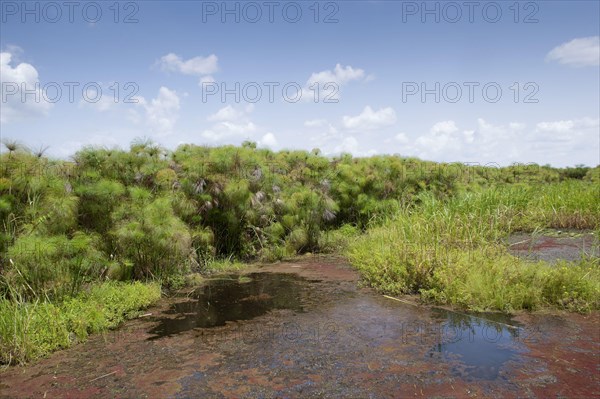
x: 317, y: 333
x: 554, y: 245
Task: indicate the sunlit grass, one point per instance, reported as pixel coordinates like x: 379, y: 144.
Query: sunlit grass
x: 452, y: 252
x: 29, y: 330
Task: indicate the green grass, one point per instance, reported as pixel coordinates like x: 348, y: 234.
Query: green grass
x: 217, y: 265
x: 452, y: 252
x: 336, y: 241
x: 29, y: 330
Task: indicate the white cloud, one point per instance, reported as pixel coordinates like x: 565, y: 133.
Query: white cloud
x: 369, y: 119
x: 268, y: 140
x: 161, y: 112
x: 237, y: 128
x: 16, y: 105
x: 445, y: 127
x: 206, y: 79
x: 225, y: 130
x: 557, y: 126
x: 230, y: 122
x: 227, y: 113
x: 197, y: 66
x: 313, y: 123
x: 340, y: 75
x: 562, y: 142
x: 349, y: 144
x: 469, y: 136
x: 202, y: 67
x: 401, y: 138
x: 322, y: 133
x: 325, y: 86
x: 446, y: 142
x: 321, y: 124
x: 566, y: 131
x: 580, y: 52
x: 567, y: 125
x: 15, y: 51
x: 517, y: 125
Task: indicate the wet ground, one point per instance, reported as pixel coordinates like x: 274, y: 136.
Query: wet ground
x: 554, y: 245
x: 307, y: 329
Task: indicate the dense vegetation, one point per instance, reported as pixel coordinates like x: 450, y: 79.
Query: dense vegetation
x: 70, y: 229
x: 454, y: 252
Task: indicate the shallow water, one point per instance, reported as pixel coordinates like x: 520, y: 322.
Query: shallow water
x: 232, y: 297
x: 477, y: 345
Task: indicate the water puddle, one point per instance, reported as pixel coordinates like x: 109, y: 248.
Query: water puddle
x: 477, y: 346
x: 234, y: 297
x: 554, y: 246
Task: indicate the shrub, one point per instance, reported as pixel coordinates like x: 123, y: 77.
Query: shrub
x: 54, y: 266
x: 151, y: 237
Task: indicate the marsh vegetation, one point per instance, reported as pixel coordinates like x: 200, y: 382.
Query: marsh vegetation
x: 87, y: 243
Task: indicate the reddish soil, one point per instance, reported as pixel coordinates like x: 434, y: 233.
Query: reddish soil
x: 555, y: 247
x: 348, y: 342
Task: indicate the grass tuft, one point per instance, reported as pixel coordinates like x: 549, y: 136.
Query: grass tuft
x: 29, y: 330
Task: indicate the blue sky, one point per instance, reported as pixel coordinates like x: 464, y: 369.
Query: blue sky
x: 364, y: 62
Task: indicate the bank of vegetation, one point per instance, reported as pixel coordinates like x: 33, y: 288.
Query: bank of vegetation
x: 88, y: 242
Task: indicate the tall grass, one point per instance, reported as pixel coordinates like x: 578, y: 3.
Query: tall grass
x: 29, y: 330
x: 452, y: 251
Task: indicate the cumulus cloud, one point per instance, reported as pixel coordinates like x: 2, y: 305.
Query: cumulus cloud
x: 16, y: 105
x: 322, y: 133
x: 315, y: 123
x: 202, y: 67
x: 268, y: 140
x: 517, y: 125
x: 230, y: 122
x: 339, y: 74
x: 370, y: 120
x: 226, y: 130
x: 561, y: 142
x: 566, y: 131
x: 349, y: 144
x: 161, y: 113
x: 580, y: 52
x: 237, y: 128
x: 445, y: 127
x: 322, y: 125
x: 444, y: 138
x: 446, y: 142
x: 206, y: 80
x: 325, y: 86
x: 566, y: 125
x: 401, y: 138
x: 332, y: 141
x: 227, y: 113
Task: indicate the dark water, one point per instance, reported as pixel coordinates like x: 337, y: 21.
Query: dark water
x: 229, y: 298
x: 477, y: 346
